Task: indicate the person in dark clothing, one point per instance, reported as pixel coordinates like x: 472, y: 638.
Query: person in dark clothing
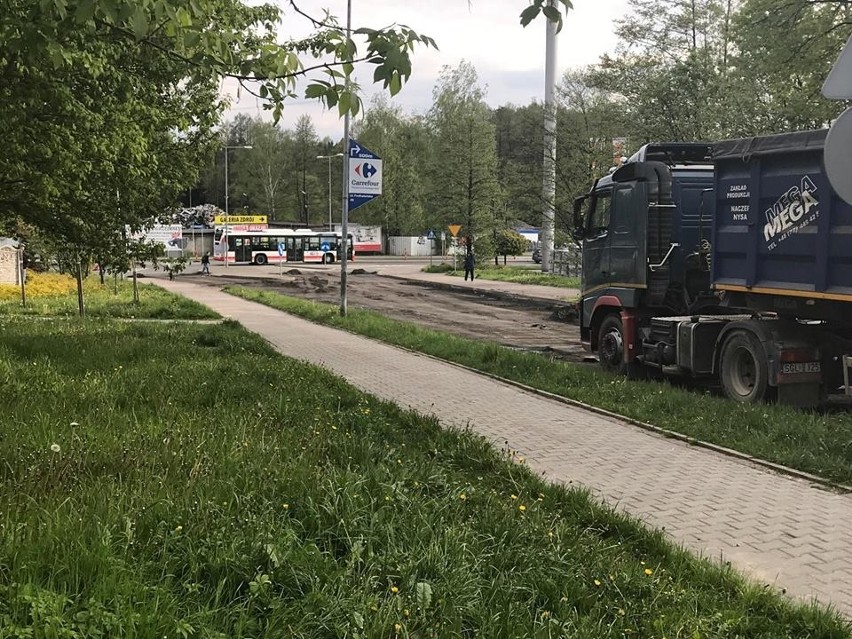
x: 205, y: 264
x: 468, y: 266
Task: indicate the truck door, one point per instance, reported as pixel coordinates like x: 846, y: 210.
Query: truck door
x: 627, y: 235
x: 596, y: 240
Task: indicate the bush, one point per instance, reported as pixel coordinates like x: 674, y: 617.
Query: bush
x: 443, y: 267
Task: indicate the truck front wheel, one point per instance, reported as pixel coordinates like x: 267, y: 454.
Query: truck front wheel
x: 611, y: 345
x: 743, y: 368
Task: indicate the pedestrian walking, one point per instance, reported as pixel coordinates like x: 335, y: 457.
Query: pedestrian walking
x: 468, y: 265
x: 205, y: 264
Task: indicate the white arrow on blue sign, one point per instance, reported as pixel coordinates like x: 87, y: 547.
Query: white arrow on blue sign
x: 365, y: 175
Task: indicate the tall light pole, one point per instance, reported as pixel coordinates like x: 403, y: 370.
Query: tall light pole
x: 329, y: 157
x: 227, y: 210
x: 549, y: 183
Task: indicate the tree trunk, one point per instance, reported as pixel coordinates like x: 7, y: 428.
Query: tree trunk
x: 80, y: 306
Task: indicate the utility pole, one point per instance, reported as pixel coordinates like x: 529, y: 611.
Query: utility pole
x: 344, y: 221
x: 329, y: 158
x: 548, y: 192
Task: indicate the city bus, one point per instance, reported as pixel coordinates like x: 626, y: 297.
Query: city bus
x: 273, y: 246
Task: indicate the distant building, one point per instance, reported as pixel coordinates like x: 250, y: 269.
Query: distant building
x: 10, y: 272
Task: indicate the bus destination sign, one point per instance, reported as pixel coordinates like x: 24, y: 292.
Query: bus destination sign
x: 222, y: 220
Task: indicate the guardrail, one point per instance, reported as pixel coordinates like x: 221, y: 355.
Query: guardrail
x: 567, y: 262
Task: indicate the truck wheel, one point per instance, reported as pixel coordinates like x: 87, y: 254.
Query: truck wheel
x: 260, y: 259
x: 611, y: 345
x: 743, y: 368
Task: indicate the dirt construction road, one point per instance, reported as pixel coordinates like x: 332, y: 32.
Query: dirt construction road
x: 513, y: 321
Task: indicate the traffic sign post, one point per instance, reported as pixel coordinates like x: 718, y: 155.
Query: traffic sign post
x: 454, y: 230
x: 365, y: 175
x: 281, y: 261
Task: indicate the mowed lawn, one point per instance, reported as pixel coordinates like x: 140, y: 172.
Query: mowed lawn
x: 183, y: 480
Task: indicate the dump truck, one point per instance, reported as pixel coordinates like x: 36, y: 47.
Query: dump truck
x: 730, y: 262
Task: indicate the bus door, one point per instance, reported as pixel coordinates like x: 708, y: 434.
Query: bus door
x: 293, y: 246
x: 242, y: 249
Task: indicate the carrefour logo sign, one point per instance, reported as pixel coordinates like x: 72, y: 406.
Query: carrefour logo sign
x: 365, y: 177
x: 366, y: 170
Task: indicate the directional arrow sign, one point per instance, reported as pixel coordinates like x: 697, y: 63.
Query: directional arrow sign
x: 365, y: 175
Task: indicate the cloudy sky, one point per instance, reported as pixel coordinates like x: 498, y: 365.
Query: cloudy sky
x: 508, y: 58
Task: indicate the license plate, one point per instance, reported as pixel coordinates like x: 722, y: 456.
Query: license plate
x: 788, y: 368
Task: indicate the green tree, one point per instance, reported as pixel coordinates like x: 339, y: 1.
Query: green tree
x: 785, y: 51
x: 463, y: 169
x: 508, y: 242
x: 403, y: 144
x: 519, y: 134
x: 669, y: 74
x: 306, y: 151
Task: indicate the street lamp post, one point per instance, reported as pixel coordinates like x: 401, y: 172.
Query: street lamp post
x: 329, y: 158
x: 227, y: 210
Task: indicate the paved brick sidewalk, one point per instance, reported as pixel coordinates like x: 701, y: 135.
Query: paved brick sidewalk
x: 781, y: 530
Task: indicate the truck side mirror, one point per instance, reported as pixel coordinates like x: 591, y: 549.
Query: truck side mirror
x: 579, y: 230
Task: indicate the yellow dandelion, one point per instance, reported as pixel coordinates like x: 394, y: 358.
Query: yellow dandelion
x: 597, y: 582
x: 648, y: 571
x: 514, y: 496
x: 397, y: 627
x: 522, y: 508
x: 285, y: 506
x: 462, y: 496
x: 406, y: 613
x: 394, y: 589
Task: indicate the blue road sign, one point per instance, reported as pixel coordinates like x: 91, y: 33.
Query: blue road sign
x: 281, y: 249
x: 430, y: 234
x: 365, y: 175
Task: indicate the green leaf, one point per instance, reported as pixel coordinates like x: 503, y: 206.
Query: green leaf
x: 345, y: 102
x: 423, y: 594
x: 85, y: 11
x: 395, y: 84
x: 358, y: 619
x: 139, y: 24
x: 529, y: 14
x: 314, y: 91
x: 552, y: 14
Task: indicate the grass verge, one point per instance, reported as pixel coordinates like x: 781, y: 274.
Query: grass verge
x: 50, y: 294
x: 519, y: 274
x: 186, y: 481
x: 813, y: 442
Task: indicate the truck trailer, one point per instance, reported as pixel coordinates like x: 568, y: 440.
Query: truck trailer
x: 729, y: 262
